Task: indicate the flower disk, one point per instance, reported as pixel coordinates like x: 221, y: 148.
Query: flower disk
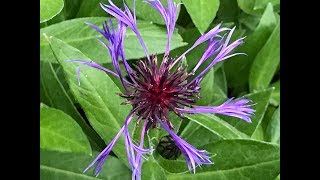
x: 159, y: 89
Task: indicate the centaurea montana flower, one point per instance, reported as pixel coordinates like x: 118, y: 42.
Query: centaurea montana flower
x: 154, y: 90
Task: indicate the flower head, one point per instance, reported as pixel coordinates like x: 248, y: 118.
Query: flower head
x: 154, y: 88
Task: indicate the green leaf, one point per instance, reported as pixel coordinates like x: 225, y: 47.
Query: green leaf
x: 267, y: 116
x: 209, y: 126
x: 92, y: 8
x: 54, y: 95
x: 261, y: 100
x: 275, y: 96
x: 221, y: 82
x: 256, y: 7
x: 207, y: 89
x: 258, y: 134
x: 70, y: 166
x: 213, y: 87
x: 228, y: 11
x: 261, y: 4
x: 238, y: 159
x: 49, y: 9
x: 79, y: 35
x: 148, y: 13
x: 193, y: 133
x: 273, y: 129
x: 71, y: 8
x: 96, y: 95
x: 237, y: 68
x: 202, y: 12
x: 152, y: 171
x: 172, y: 166
x: 266, y: 62
x: 58, y: 131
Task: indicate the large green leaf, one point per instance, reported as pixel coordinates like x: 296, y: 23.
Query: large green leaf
x: 152, y: 171
x: 261, y: 101
x: 172, y: 166
x: 266, y: 62
x: 147, y: 12
x: 275, y: 96
x: 76, y: 33
x: 49, y: 9
x: 193, y: 133
x: 202, y: 12
x: 258, y: 134
x: 59, y: 132
x: 256, y: 7
x: 209, y: 126
x: 96, y: 94
x: 70, y: 166
x: 237, y: 68
x: 238, y: 159
x: 216, y: 125
x: 53, y: 93
x: 273, y: 129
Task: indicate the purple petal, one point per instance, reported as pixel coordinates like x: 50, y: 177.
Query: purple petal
x: 221, y: 55
x: 169, y: 16
x: 116, y: 44
x: 127, y: 18
x: 137, y: 172
x: 131, y: 149
x: 134, y: 153
x: 211, y: 50
x: 99, y: 160
x: 236, y: 108
x: 192, y: 155
x: 94, y: 65
x: 209, y: 35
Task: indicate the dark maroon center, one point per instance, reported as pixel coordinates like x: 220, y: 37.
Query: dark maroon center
x: 157, y: 91
x: 159, y: 95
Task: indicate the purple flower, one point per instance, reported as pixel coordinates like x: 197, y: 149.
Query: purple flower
x: 154, y: 90
x: 191, y: 154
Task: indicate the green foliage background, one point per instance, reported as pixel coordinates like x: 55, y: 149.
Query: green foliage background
x: 76, y: 122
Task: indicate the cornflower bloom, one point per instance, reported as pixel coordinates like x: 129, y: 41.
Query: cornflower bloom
x: 154, y: 90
